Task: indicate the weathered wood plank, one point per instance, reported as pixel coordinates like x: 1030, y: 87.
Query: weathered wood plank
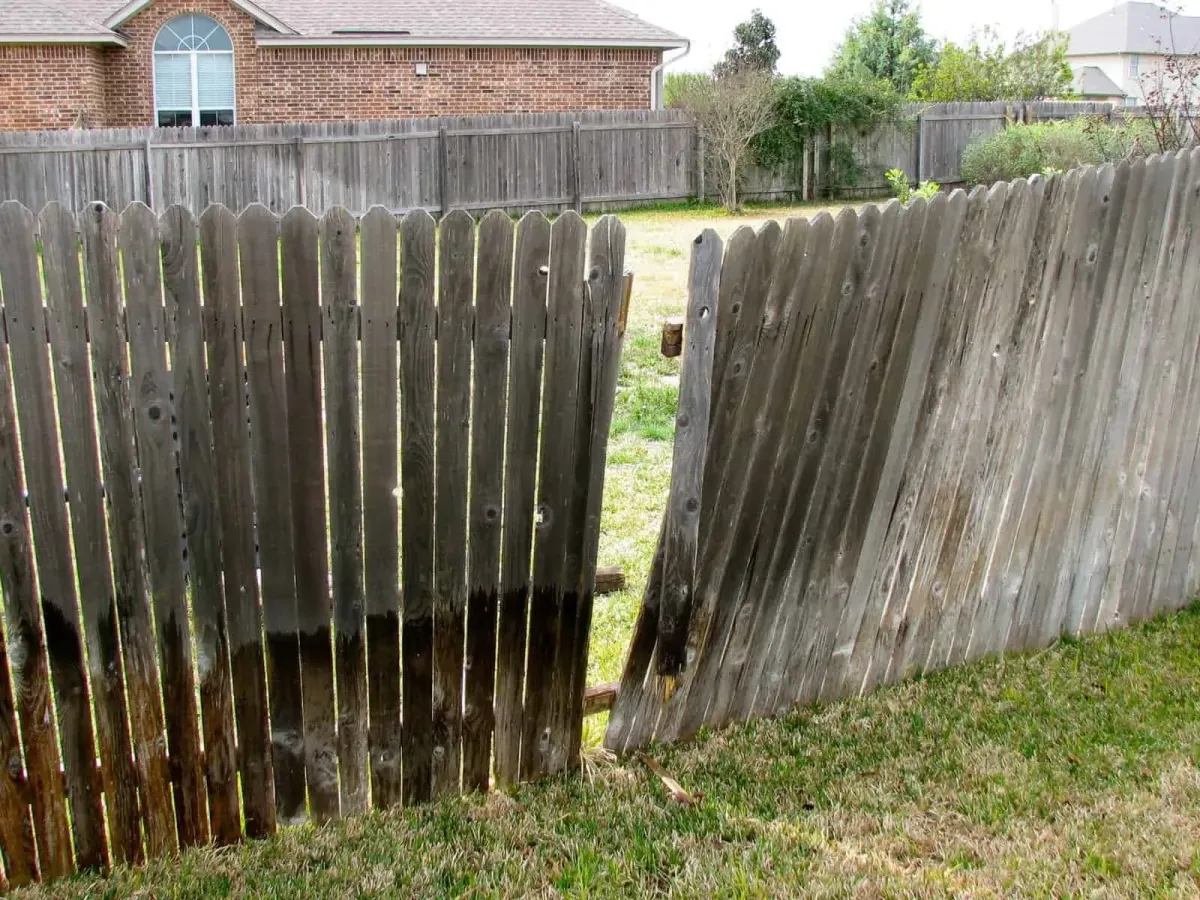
x: 33, y: 784
x: 85, y: 501
x: 114, y: 414
x: 557, y: 466
x: 456, y: 261
x: 25, y: 320
x: 154, y: 427
x: 493, y: 318
x: 691, y: 442
x: 258, y: 246
x: 339, y: 268
x: 417, y: 322
x: 197, y: 464
x: 300, y: 285
x: 530, y: 284
x: 231, y: 443
x: 381, y: 522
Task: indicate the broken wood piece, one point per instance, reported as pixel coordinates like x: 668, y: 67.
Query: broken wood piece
x: 676, y: 792
x: 672, y: 337
x: 610, y: 580
x: 600, y: 698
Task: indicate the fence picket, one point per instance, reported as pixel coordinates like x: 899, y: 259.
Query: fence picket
x: 456, y: 252
x: 417, y: 324
x: 73, y: 387
x: 231, y: 442
x: 530, y: 283
x: 26, y: 328
x: 381, y: 520
x: 339, y: 267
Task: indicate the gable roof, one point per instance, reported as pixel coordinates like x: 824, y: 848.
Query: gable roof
x: 364, y: 22
x: 1136, y: 28
x: 1090, y: 81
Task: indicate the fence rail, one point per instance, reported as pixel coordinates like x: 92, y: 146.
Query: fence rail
x: 297, y: 510
x: 958, y: 428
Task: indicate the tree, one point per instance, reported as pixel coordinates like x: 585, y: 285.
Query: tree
x: 754, y: 50
x: 1171, y: 91
x: 890, y: 43
x: 730, y: 112
x: 1035, y: 68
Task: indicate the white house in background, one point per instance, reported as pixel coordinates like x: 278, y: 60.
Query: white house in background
x: 1121, y: 47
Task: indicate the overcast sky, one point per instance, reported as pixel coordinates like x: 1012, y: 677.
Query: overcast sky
x: 809, y: 30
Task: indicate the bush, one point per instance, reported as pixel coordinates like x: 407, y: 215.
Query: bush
x: 904, y: 192
x: 1024, y: 150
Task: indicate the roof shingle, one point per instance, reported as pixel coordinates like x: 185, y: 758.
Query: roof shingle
x: 1136, y: 28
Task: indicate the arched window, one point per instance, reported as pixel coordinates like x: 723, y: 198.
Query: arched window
x: 193, y: 73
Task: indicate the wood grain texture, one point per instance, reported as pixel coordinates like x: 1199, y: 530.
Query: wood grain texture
x: 550, y: 593
x: 493, y: 317
x: 85, y: 502
x: 34, y: 811
x: 301, y: 287
x: 258, y: 248
x: 526, y: 355
x: 417, y: 467
x: 231, y: 443
x: 456, y: 270
x: 339, y: 280
x: 34, y: 393
x: 155, y: 426
x: 381, y: 518
x: 201, y: 518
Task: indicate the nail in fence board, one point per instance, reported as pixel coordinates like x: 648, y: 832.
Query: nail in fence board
x: 526, y: 354
x: 25, y: 323
x: 417, y: 500
x: 381, y: 489
x: 197, y: 466
x: 493, y: 316
x: 231, y: 443
x: 73, y: 386
x: 300, y: 284
x: 339, y: 269
x: 154, y: 428
x: 456, y: 255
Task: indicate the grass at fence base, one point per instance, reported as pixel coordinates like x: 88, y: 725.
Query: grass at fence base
x: 1067, y: 772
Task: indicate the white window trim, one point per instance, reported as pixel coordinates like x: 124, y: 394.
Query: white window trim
x: 194, y: 54
x: 1135, y: 65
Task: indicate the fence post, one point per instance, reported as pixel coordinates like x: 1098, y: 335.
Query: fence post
x: 920, y: 146
x: 444, y: 170
x: 806, y: 169
x: 302, y: 186
x: 701, y: 154
x: 576, y: 174
x: 149, y: 175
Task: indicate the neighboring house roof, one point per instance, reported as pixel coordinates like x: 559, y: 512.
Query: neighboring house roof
x: 1136, y: 28
x: 365, y: 22
x: 1090, y: 81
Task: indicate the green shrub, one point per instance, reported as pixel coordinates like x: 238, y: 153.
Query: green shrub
x: 1024, y: 150
x: 904, y: 192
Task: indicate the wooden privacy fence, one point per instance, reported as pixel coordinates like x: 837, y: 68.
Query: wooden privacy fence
x: 552, y: 161
x: 916, y: 436
x: 306, y: 527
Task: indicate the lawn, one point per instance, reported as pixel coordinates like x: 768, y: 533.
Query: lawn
x: 1069, y: 772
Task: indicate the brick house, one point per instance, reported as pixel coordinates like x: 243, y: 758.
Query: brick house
x: 122, y: 63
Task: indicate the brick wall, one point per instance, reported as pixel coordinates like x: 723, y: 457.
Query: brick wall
x: 58, y: 87
x: 51, y: 86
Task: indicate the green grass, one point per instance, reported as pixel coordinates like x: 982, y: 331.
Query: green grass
x: 1070, y: 772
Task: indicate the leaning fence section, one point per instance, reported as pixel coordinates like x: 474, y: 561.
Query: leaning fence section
x: 275, y: 545
x: 920, y: 435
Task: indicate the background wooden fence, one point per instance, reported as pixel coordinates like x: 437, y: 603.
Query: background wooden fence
x: 932, y: 433
x: 353, y: 508
x: 551, y: 162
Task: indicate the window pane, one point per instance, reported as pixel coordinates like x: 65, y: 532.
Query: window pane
x: 174, y: 118
x: 214, y: 75
x: 216, y: 117
x: 192, y: 32
x: 172, y: 81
